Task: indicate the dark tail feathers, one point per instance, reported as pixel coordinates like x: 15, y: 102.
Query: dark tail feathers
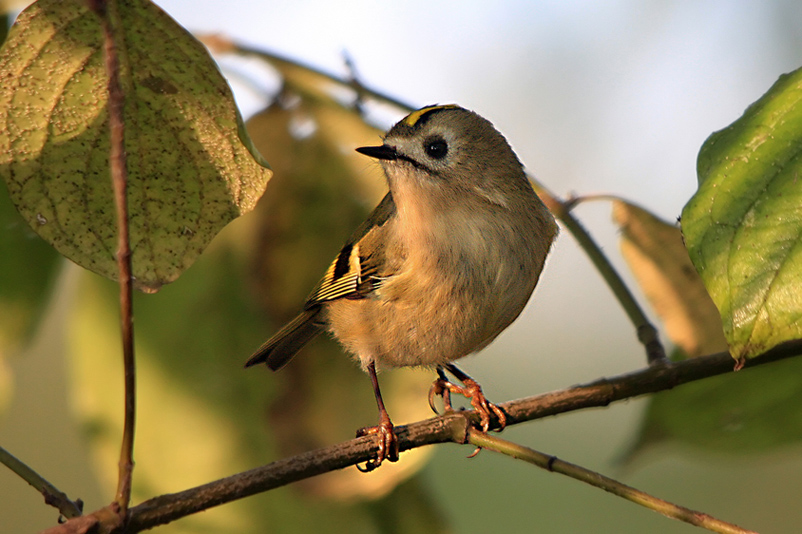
x: 279, y: 349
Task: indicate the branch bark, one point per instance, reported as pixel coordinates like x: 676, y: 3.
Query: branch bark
x: 451, y: 427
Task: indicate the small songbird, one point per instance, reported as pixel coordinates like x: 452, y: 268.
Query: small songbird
x: 446, y: 261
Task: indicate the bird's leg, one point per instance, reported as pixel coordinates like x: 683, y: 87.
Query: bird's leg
x: 388, y: 443
x: 470, y: 389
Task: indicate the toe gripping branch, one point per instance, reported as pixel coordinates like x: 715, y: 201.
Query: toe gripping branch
x: 470, y: 389
x: 387, y: 448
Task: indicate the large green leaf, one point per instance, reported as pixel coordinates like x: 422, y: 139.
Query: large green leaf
x: 742, y: 227
x: 191, y: 168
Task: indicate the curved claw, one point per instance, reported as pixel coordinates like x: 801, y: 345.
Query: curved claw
x: 441, y: 388
x: 387, y: 447
x: 473, y: 391
x: 470, y: 389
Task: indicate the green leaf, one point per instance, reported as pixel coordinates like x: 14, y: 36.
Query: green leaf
x: 742, y: 227
x: 191, y: 166
x: 27, y: 268
x: 751, y: 411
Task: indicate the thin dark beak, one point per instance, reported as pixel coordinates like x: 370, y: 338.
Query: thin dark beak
x: 379, y: 152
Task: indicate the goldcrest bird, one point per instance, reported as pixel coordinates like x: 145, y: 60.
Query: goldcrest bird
x: 446, y: 261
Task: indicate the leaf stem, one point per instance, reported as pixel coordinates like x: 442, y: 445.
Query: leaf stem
x: 552, y: 463
x: 53, y: 496
x: 119, y: 179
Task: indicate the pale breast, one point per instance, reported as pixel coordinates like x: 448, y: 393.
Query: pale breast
x: 446, y: 300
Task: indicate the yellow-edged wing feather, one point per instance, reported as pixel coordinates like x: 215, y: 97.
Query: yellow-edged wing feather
x: 353, y: 274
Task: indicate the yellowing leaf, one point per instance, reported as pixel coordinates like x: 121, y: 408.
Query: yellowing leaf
x: 190, y: 165
x: 7, y: 6
x: 658, y: 259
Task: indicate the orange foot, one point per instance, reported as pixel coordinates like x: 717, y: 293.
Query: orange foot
x: 388, y: 444
x: 470, y: 389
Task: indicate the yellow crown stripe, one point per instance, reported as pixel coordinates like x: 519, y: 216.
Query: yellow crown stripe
x: 415, y: 116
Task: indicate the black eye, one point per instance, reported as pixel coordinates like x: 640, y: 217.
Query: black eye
x: 436, y: 148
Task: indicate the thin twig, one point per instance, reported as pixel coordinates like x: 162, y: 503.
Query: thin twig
x: 355, y: 83
x: 647, y: 333
x: 221, y: 44
x: 53, y: 496
x: 119, y: 179
x: 552, y: 463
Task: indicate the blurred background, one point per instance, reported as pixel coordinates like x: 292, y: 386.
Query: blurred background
x: 613, y: 97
